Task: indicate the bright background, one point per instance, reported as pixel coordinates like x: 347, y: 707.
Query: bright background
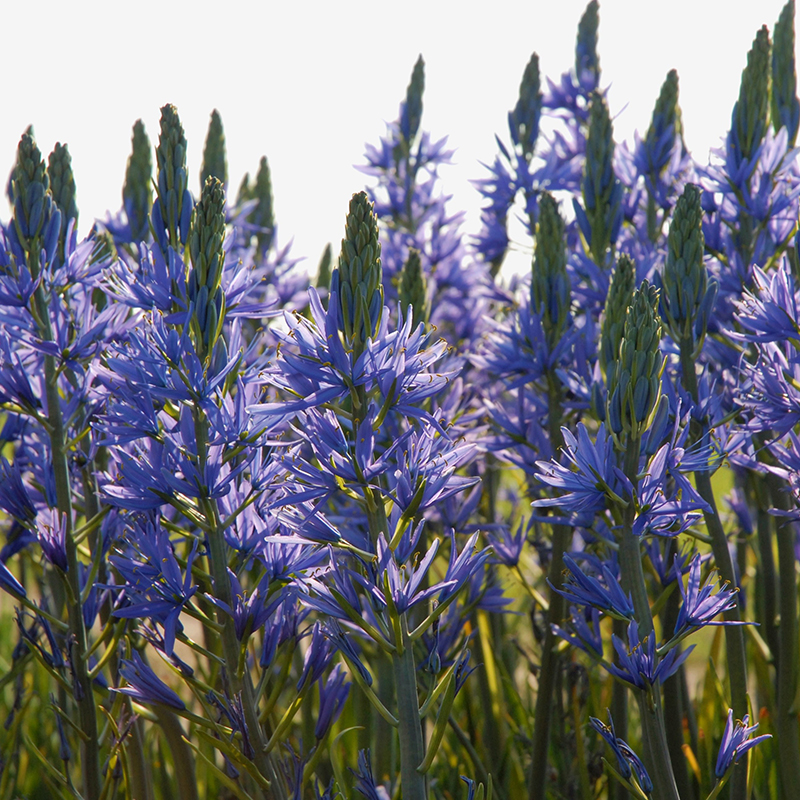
x: 307, y: 83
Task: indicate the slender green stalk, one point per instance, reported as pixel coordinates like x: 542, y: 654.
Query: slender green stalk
x: 786, y: 724
x: 240, y: 684
x: 734, y: 636
x: 87, y: 714
x: 766, y: 574
x: 630, y: 565
x: 412, y: 745
x: 542, y: 722
x: 673, y: 700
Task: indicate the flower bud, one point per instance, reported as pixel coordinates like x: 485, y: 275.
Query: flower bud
x: 358, y: 279
x: 686, y: 289
x: 587, y: 63
x: 261, y: 217
x: 785, y: 106
x: 523, y: 121
x: 137, y: 193
x: 550, y: 288
x: 620, y: 296
x: 174, y: 201
x: 634, y: 382
x: 600, y: 218
x: 205, y: 245
x: 749, y: 117
x: 214, y: 161
x: 411, y: 112
x: 62, y: 187
x: 413, y: 289
x: 37, y: 220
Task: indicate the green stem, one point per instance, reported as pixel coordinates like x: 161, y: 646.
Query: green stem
x: 240, y: 684
x: 632, y: 574
x: 734, y: 635
x: 619, y: 707
x: 183, y: 758
x: 412, y: 746
x: 87, y: 713
x: 766, y: 575
x: 786, y: 724
x: 673, y: 698
x: 542, y: 722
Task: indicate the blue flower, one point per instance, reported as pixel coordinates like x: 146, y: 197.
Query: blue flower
x: 627, y: 760
x: 144, y: 685
x: 700, y: 605
x: 154, y: 586
x: 735, y: 743
x: 583, y: 631
x: 332, y: 696
x: 638, y: 663
x: 250, y: 610
x: 365, y: 782
x: 585, y: 590
x: 593, y: 480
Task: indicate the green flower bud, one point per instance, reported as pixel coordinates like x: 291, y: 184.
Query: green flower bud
x: 37, y: 219
x: 214, y: 161
x: 413, y: 289
x: 586, y: 59
x: 634, y: 381
x: 359, y: 277
x: 412, y: 110
x: 524, y: 119
x: 205, y: 245
x: 751, y: 111
x: 10, y: 184
x: 137, y: 192
x: 324, y: 270
x: 687, y: 295
x: 620, y: 296
x: 62, y: 187
x: 785, y: 106
x: 658, y: 146
x: 262, y: 215
x: 550, y: 288
x: 173, y: 210
x: 601, y: 216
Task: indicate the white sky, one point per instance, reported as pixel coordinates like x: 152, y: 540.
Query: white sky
x: 307, y: 83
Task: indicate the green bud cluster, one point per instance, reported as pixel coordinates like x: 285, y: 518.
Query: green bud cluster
x: 666, y: 114
x: 688, y: 296
x: 600, y: 188
x: 261, y: 217
x: 550, y: 288
x: 137, y: 192
x: 785, y: 106
x: 619, y: 298
x: 173, y: 194
x: 412, y: 289
x: 527, y: 113
x: 215, y: 163
x: 10, y: 184
x: 62, y: 187
x: 359, y: 277
x: 586, y: 58
x: 205, y: 245
x: 665, y: 125
x: 634, y: 380
x: 413, y: 107
x: 34, y: 207
x: 751, y: 111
